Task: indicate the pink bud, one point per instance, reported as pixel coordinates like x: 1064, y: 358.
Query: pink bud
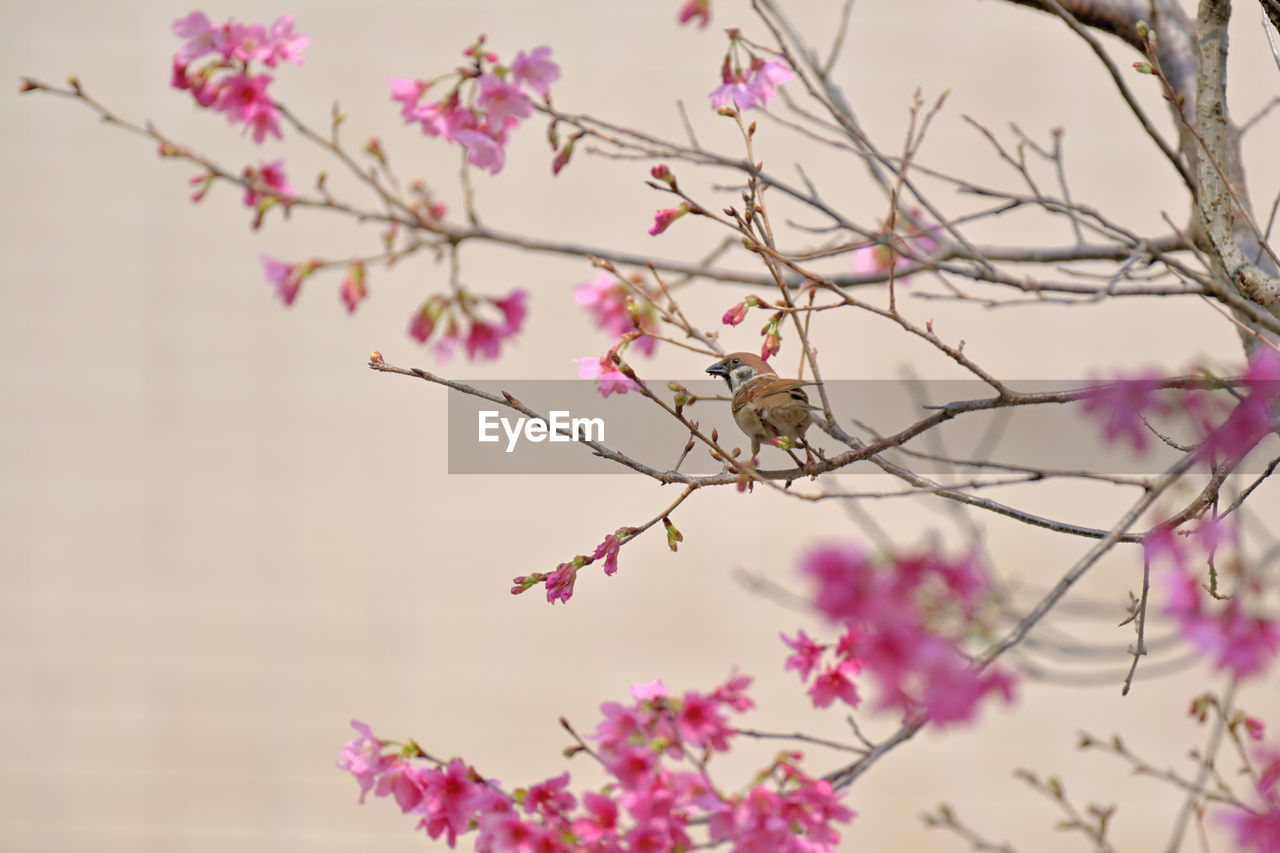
x: 735, y: 315
x: 772, y: 343
x: 663, y: 219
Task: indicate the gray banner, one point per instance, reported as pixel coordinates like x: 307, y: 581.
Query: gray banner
x: 489, y: 438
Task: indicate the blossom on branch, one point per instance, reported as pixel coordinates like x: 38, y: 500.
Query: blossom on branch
x: 1252, y: 418
x: 904, y: 616
x: 226, y: 82
x: 750, y: 87
x: 613, y: 309
x: 654, y: 749
x: 481, y: 105
x: 611, y: 379
x: 662, y: 219
x: 1123, y: 404
x: 1233, y: 639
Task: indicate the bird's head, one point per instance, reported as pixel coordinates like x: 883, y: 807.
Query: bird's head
x: 739, y: 368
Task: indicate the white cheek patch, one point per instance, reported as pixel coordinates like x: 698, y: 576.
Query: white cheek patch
x: 739, y: 376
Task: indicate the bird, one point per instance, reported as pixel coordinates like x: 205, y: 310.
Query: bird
x: 765, y: 406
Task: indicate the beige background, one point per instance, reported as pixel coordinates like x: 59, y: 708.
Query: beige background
x: 223, y: 536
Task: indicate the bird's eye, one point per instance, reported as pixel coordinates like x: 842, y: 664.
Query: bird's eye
x: 735, y: 361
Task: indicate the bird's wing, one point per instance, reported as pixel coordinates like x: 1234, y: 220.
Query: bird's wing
x: 781, y: 405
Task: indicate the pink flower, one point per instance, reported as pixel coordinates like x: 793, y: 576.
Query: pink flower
x: 269, y: 176
x: 1235, y: 641
x: 353, y: 290
x: 287, y: 278
x: 1245, y: 645
x: 362, y: 757
x: 444, y: 118
x: 1242, y: 644
x: 600, y: 821
x: 1268, y: 771
x: 663, y: 218
x: 751, y: 88
x: 807, y: 654
x: 620, y: 725
x: 408, y: 93
x: 734, y: 693
x: 633, y: 765
x: 1258, y: 831
x: 562, y: 158
x: 202, y: 37
x: 501, y: 100
x: 733, y: 90
x: 404, y: 782
x: 514, y: 310
x: 1161, y: 541
x: 797, y: 821
x: 550, y: 797
x: 483, y: 151
x: 611, y: 379
x: 248, y: 42
x: 952, y: 688
x: 507, y: 832
x: 263, y: 121
x: 608, y: 549
x: 772, y: 344
x: 700, y: 9
x: 833, y: 684
x: 1253, y: 418
x: 606, y: 299
x: 1123, y: 404
x: 244, y: 99
x: 242, y: 96
x: 448, y: 800
x: 844, y: 576
x: 284, y: 44
x: 560, y: 583
x: 894, y: 611
x: 205, y: 91
x: 766, y: 75
x: 535, y: 70
x: 482, y: 339
x: 735, y: 315
x: 448, y: 340
x: 422, y: 324
x: 649, y: 691
x: 701, y: 724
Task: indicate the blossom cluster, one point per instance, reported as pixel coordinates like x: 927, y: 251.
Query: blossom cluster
x: 615, y: 311
x: 1227, y: 429
x: 459, y: 320
x: 750, y: 86
x: 1225, y: 632
x: 655, y: 750
x: 559, y: 583
x: 265, y: 187
x: 226, y: 81
x: 903, y: 618
x: 482, y: 102
x: 610, y: 302
x: 1256, y: 826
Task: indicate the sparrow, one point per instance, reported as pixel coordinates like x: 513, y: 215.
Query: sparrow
x: 765, y: 406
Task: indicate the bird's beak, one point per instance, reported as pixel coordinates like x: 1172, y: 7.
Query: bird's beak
x: 718, y: 369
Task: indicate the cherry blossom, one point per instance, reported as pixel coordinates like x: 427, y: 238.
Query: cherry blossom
x: 535, y: 69
x: 606, y: 299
